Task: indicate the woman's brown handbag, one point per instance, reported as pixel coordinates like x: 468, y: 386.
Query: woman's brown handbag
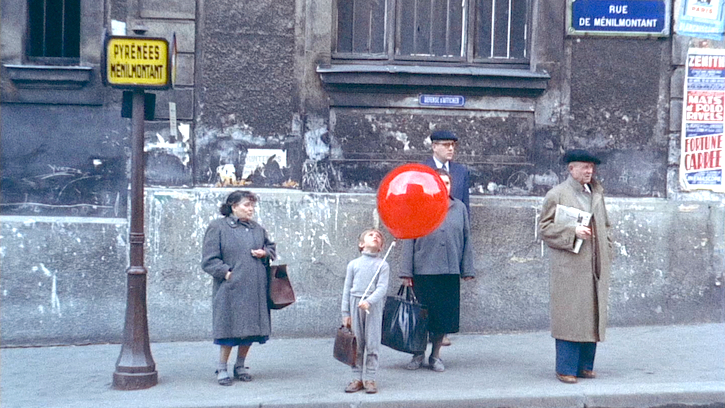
x: 280, y: 293
x: 345, y: 349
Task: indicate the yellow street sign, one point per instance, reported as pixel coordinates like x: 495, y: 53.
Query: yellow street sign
x: 137, y: 62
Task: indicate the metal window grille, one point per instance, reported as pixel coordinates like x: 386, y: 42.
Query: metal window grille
x: 361, y: 26
x: 502, y: 29
x: 435, y: 30
x: 54, y: 28
x: 431, y: 29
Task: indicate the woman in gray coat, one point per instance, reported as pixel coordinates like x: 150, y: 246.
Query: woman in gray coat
x: 234, y: 254
x: 434, y: 265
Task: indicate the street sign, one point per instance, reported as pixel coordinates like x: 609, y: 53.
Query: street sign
x: 442, y: 100
x: 618, y: 17
x: 137, y: 62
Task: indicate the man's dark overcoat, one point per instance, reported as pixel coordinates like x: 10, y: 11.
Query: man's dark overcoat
x: 239, y: 306
x: 460, y: 178
x: 579, y: 283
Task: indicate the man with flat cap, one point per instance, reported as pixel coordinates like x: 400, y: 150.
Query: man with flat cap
x: 579, y: 282
x: 444, y: 148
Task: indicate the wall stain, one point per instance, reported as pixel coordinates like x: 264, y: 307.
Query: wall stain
x: 54, y: 300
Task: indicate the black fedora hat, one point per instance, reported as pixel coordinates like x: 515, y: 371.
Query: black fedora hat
x: 580, y: 155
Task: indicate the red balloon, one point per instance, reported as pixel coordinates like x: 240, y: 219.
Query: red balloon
x: 412, y: 201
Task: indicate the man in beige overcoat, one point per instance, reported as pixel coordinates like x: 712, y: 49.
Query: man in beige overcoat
x: 579, y: 284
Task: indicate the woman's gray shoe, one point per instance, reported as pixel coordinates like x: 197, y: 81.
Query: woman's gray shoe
x: 222, y: 377
x: 416, y: 362
x: 436, y: 364
x: 241, y: 374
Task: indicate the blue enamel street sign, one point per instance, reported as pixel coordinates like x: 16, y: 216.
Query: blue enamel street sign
x: 619, y: 17
x: 441, y: 100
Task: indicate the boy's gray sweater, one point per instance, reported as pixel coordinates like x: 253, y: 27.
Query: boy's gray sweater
x: 360, y: 272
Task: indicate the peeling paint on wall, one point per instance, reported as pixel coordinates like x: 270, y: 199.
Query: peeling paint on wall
x: 179, y: 148
x: 317, y: 139
x: 319, y: 176
x: 54, y: 300
x: 222, y: 155
x: 232, y: 130
x: 660, y: 276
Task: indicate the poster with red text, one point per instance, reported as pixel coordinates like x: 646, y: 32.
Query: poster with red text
x: 703, y: 121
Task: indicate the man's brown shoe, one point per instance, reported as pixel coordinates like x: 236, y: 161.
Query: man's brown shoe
x: 587, y: 374
x: 371, y: 387
x: 569, y: 379
x: 354, y: 386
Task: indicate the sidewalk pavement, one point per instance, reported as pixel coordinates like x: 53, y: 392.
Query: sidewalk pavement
x: 653, y: 366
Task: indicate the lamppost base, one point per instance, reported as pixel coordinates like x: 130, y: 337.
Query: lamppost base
x: 134, y: 381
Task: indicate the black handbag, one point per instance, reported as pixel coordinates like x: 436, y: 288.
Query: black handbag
x: 345, y: 349
x: 405, y: 322
x: 280, y: 293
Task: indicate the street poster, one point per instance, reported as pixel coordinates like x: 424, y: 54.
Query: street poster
x: 257, y: 158
x: 702, y: 19
x: 703, y: 121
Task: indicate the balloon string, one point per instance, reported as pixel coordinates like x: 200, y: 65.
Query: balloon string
x: 392, y: 244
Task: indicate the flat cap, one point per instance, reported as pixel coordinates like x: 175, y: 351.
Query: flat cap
x: 580, y: 155
x: 443, y: 135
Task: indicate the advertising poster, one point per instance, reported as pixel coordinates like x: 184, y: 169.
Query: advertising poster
x: 702, y: 19
x: 703, y: 121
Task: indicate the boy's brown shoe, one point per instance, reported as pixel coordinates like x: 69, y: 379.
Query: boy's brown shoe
x: 354, y: 386
x: 371, y: 387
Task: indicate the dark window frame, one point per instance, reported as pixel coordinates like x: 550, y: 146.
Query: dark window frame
x: 51, y: 80
x: 473, y: 9
x: 42, y: 45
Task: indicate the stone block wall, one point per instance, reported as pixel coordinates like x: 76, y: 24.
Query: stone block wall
x: 64, y: 280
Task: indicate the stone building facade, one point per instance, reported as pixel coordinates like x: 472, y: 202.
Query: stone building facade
x: 341, y: 92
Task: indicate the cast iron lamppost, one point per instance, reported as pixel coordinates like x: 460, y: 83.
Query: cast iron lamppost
x: 135, y: 367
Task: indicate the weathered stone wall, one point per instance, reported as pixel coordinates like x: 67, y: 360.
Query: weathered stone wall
x: 64, y: 142
x: 249, y: 96
x: 371, y: 142
x: 169, y: 154
x: 617, y: 107
x: 63, y: 280
x: 247, y: 79
x: 54, y: 163
x: 600, y: 96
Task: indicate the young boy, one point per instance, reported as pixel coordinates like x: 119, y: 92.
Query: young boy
x: 365, y: 317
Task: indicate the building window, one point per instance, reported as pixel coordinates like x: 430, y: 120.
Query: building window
x: 54, y: 28
x: 468, y: 31
x: 430, y: 29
